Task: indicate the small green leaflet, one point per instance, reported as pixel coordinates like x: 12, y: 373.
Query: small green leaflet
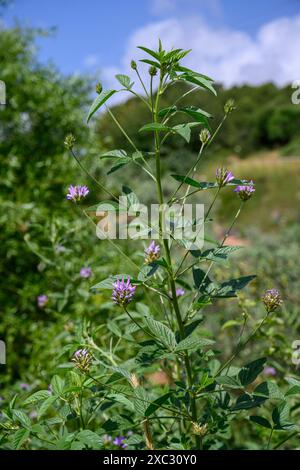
x: 192, y: 343
x: 161, y: 332
x: 99, y: 101
x: 125, y: 81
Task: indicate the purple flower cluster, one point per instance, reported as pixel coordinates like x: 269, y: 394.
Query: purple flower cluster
x: 118, y: 441
x: 245, y: 191
x: 76, y: 193
x: 270, y: 371
x: 223, y: 176
x: 42, y: 300
x: 180, y: 292
x: 86, y: 272
x: 82, y: 360
x: 123, y: 292
x: 152, y: 252
x: 24, y: 386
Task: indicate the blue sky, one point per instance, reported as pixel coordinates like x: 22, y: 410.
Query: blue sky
x: 99, y: 35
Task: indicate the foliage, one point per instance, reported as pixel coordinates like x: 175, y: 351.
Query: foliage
x: 181, y: 321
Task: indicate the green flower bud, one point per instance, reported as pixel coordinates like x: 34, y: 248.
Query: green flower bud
x: 204, y: 136
x: 152, y: 71
x: 133, y: 65
x: 69, y: 141
x: 99, y: 88
x: 229, y: 106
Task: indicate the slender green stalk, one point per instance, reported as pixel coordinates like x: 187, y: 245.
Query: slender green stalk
x: 242, y: 345
x: 142, y: 83
x: 205, y: 219
x: 285, y: 440
x: 100, y: 185
x: 169, y: 262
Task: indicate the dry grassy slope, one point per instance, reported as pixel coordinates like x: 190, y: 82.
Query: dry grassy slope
x: 277, y: 198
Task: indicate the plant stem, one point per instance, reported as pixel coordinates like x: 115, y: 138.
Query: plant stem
x: 174, y: 299
x: 100, y: 185
x: 242, y: 345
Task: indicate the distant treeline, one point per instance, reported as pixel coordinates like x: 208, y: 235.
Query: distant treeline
x: 264, y: 118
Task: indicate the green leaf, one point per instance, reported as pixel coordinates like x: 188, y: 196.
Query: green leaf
x: 156, y: 404
x: 294, y: 390
x: 220, y: 253
x: 184, y: 130
x: 22, y: 418
x: 229, y: 288
x: 117, y: 153
x: 37, y: 396
x: 151, y: 62
x: 57, y: 385
x: 147, y: 271
x: 269, y: 390
x: 46, y: 405
x: 124, y: 80
x: 141, y: 401
x: 280, y: 417
x: 155, y: 126
x: 227, y: 381
x: 89, y: 438
x: 109, y: 281
x: 19, y: 437
x: 99, y: 101
x: 200, y: 278
x: 154, y: 54
x: 192, y: 343
x: 122, y: 162
x: 250, y: 371
x: 261, y: 421
x: 198, y: 80
x: 161, y: 332
x: 246, y: 402
x: 194, y: 183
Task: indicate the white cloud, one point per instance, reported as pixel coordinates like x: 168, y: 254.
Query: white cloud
x: 91, y: 60
x: 228, y: 56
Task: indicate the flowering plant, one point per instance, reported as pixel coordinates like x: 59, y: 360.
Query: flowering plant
x: 110, y: 400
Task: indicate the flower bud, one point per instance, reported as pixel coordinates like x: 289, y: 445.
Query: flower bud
x: 200, y: 430
x: 245, y: 191
x: 152, y: 71
x: 223, y: 176
x: 204, y: 136
x: 152, y: 253
x: 272, y: 300
x: 82, y: 360
x: 99, y: 88
x: 229, y: 106
x: 69, y: 141
x: 133, y: 65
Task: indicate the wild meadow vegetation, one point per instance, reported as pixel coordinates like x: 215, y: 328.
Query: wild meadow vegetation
x: 147, y: 343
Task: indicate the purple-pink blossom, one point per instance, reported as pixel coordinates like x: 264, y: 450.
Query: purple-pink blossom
x: 123, y: 292
x: 82, y: 360
x: 76, y: 193
x: 120, y: 442
x: 86, y: 272
x: 179, y: 292
x: 42, y: 300
x: 223, y: 176
x: 24, y: 386
x: 152, y: 252
x: 270, y: 371
x: 245, y: 191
